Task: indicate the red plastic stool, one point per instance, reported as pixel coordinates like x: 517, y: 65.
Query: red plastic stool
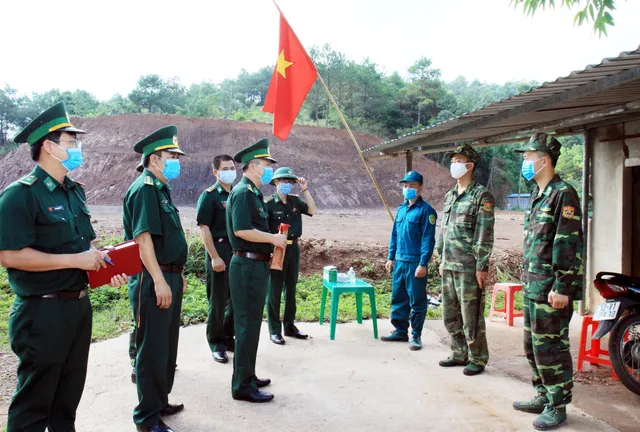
x: 592, y: 355
x: 509, y: 290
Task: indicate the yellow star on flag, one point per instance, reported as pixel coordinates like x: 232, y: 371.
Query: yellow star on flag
x: 282, y: 65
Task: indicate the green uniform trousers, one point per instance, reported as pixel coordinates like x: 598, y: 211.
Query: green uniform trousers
x: 248, y: 281
x: 51, y: 338
x: 157, y: 345
x: 220, y: 318
x: 459, y: 303
x: 287, y: 278
x: 546, y: 346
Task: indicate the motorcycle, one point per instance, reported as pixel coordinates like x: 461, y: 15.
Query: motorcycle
x: 620, y: 315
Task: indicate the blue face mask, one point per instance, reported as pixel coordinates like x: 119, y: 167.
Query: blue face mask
x: 227, y: 176
x: 73, y: 160
x: 285, y: 188
x: 528, y: 170
x: 171, y: 169
x: 267, y: 175
x: 410, y: 193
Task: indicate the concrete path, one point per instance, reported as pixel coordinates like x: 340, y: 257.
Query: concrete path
x: 354, y: 383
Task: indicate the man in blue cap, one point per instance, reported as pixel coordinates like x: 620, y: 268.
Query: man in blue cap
x: 410, y: 249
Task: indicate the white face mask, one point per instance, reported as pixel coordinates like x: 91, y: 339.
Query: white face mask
x: 458, y: 170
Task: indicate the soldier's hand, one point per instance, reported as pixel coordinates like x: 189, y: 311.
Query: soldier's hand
x: 218, y: 264
x: 163, y: 294
x: 558, y: 301
x: 481, y: 277
x: 279, y: 240
x: 421, y: 271
x: 118, y: 280
x: 441, y: 269
x: 389, y: 266
x: 92, y: 260
x: 184, y: 284
x: 302, y: 182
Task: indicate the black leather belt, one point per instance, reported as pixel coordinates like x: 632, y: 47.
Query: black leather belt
x: 221, y: 240
x: 66, y: 295
x: 171, y: 269
x: 253, y: 255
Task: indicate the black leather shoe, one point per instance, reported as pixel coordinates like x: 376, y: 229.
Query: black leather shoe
x: 170, y: 410
x: 256, y: 397
x: 133, y: 376
x: 277, y: 339
x: 262, y: 382
x: 295, y: 333
x: 158, y: 427
x: 221, y: 357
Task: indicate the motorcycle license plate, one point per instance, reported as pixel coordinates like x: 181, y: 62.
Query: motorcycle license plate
x: 606, y: 311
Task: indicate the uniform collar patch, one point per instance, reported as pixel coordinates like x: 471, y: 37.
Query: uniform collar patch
x: 50, y: 184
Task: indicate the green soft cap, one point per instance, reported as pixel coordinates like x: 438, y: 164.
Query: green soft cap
x: 544, y: 143
x: 284, y: 173
x: 411, y: 177
x: 165, y: 139
x: 465, y: 150
x: 259, y: 150
x: 54, y: 119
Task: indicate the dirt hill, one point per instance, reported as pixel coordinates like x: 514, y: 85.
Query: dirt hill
x: 326, y: 157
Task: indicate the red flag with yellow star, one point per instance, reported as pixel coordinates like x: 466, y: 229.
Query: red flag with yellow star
x: 292, y: 79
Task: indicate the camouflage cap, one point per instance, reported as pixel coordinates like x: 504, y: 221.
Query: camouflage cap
x: 465, y: 150
x: 542, y: 142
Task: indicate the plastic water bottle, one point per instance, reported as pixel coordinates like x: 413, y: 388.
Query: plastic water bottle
x: 351, y: 275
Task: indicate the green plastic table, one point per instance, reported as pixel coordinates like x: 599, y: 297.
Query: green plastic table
x: 337, y: 288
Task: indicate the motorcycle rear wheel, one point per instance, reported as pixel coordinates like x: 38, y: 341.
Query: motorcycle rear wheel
x: 625, y: 354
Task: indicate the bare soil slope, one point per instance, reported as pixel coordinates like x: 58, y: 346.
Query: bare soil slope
x: 326, y: 157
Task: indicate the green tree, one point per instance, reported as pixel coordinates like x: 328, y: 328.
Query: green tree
x: 203, y: 100
x: 596, y: 11
x: 10, y: 112
x: 155, y: 95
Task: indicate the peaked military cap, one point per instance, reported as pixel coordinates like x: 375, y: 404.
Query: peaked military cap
x: 544, y: 143
x: 284, y: 173
x: 465, y: 150
x: 165, y: 139
x: 259, y: 150
x: 412, y: 176
x: 54, y: 119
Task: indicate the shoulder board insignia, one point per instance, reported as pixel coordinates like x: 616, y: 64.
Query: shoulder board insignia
x: 210, y: 189
x: 28, y: 180
x: 78, y: 183
x: 148, y: 180
x: 249, y: 187
x: 268, y: 199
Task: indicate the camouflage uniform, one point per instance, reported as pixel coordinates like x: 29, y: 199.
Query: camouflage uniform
x: 552, y: 261
x: 465, y: 245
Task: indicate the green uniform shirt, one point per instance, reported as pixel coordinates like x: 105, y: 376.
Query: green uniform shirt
x: 148, y: 207
x: 552, y: 254
x: 466, y: 241
x: 42, y: 214
x: 289, y: 213
x: 212, y: 210
x: 246, y: 211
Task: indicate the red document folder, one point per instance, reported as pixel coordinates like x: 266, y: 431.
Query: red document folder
x: 125, y: 258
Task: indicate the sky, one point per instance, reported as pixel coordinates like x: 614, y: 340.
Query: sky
x: 105, y: 46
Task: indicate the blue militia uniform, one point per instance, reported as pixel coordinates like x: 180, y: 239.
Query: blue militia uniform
x: 412, y: 241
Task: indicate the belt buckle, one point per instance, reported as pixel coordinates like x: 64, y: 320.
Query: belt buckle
x: 289, y: 242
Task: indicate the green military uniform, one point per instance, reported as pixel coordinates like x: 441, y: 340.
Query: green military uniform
x: 212, y: 212
x: 148, y: 208
x: 248, y: 277
x: 288, y: 213
x: 49, y: 334
x: 133, y: 352
x: 465, y: 245
x: 552, y: 261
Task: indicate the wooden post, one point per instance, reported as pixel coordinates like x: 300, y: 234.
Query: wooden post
x: 355, y: 143
x: 408, y: 163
